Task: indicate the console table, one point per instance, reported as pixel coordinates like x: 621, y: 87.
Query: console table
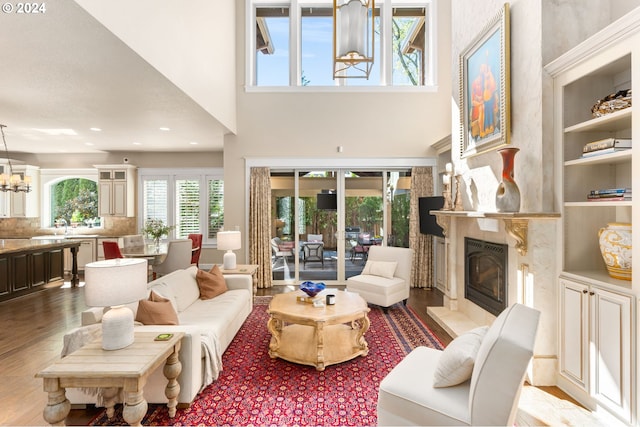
x: 110, y: 370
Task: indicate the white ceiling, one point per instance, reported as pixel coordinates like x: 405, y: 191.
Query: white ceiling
x: 63, y: 73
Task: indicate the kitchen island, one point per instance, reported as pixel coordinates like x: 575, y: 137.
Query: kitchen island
x: 26, y: 265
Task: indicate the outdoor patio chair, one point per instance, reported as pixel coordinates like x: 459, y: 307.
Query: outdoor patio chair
x: 313, y: 252
x: 280, y: 251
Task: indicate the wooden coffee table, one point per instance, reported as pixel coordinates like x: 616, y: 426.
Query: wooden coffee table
x: 318, y: 336
x: 127, y: 368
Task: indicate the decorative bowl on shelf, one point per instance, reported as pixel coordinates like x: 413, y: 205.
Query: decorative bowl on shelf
x: 311, y: 288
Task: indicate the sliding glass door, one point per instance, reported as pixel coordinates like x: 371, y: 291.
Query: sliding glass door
x: 325, y: 221
x: 318, y: 253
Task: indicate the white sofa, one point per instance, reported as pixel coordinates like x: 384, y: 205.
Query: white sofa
x: 209, y: 327
x: 375, y: 284
x: 408, y: 396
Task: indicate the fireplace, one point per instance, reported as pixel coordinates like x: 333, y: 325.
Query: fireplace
x: 485, y: 274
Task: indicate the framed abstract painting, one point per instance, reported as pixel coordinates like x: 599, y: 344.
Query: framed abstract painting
x: 484, y: 88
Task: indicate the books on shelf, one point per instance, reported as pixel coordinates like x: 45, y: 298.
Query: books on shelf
x: 604, y: 151
x: 606, y: 143
x: 617, y: 190
x: 610, y: 199
x: 610, y: 194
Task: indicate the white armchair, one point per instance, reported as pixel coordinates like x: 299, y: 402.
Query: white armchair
x: 386, y: 277
x: 490, y: 397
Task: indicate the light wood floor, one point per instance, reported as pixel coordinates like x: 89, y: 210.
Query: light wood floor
x: 31, y: 339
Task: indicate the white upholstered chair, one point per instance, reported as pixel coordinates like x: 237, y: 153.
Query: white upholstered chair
x: 375, y: 284
x: 132, y: 240
x: 178, y: 257
x: 407, y: 394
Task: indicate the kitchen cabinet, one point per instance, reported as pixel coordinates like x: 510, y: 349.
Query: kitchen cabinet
x: 116, y: 190
x: 26, y: 265
x: 596, y: 337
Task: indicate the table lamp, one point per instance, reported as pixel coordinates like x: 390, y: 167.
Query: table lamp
x: 229, y: 241
x: 113, y: 283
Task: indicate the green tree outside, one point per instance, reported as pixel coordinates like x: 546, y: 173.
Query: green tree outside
x: 74, y: 200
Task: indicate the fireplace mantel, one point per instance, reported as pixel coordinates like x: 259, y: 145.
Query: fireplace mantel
x: 515, y: 223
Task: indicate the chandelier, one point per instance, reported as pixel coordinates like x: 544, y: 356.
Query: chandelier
x: 353, y: 38
x: 10, y: 181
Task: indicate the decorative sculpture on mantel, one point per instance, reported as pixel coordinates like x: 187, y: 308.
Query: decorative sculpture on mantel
x: 446, y: 192
x: 457, y: 205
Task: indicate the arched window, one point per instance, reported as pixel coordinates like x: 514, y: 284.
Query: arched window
x: 74, y: 200
x: 71, y: 196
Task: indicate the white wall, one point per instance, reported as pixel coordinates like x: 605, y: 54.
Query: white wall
x: 191, y: 42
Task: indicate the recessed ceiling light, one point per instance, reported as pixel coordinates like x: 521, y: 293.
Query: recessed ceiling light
x: 193, y: 143
x: 137, y: 143
x: 96, y: 129
x: 88, y: 143
x: 165, y: 129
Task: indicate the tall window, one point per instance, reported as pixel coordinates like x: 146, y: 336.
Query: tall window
x: 296, y: 37
x: 315, y: 34
x: 192, y: 200
x: 272, y: 46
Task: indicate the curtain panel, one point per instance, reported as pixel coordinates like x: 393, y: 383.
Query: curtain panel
x: 259, y: 229
x: 422, y: 245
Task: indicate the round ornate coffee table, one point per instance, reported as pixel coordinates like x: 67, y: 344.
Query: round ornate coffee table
x: 318, y: 336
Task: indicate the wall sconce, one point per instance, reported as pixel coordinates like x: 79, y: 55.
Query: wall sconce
x: 353, y: 38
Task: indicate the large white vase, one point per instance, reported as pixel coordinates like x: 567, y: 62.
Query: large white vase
x: 615, y: 245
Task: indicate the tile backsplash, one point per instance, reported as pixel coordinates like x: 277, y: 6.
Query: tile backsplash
x: 17, y: 228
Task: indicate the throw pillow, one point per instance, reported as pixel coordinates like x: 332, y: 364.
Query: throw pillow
x: 211, y: 283
x: 380, y: 268
x: 456, y: 362
x: 157, y: 310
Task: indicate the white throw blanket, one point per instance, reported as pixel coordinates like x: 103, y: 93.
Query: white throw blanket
x: 212, y: 358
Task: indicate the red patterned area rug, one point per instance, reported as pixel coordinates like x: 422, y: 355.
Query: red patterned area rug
x: 255, y: 390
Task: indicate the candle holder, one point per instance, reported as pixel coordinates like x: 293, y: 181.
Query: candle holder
x: 446, y: 193
x: 457, y: 205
